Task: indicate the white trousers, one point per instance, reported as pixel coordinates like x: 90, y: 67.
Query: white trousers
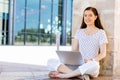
x: 91, y: 68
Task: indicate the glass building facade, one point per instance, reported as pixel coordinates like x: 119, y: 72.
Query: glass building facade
x: 35, y: 22
x: 4, y: 20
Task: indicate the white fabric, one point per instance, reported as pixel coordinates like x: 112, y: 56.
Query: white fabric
x: 53, y: 64
x: 89, y: 47
x: 90, y: 44
x: 91, y: 68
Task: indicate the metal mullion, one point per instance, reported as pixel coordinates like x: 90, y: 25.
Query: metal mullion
x: 51, y: 21
x: 25, y: 22
x: 64, y: 17
x: 9, y: 24
x: 71, y: 22
x: 13, y: 25
x: 39, y: 22
x: 5, y: 27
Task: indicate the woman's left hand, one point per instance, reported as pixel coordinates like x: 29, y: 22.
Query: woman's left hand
x: 87, y: 60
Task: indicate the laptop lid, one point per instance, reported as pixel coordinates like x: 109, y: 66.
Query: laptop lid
x: 70, y: 57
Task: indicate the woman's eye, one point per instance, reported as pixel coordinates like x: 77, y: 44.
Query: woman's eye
x: 90, y: 15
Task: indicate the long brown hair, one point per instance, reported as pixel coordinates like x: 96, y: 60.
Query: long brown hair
x: 97, y: 21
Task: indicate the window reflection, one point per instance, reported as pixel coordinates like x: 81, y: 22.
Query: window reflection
x: 32, y: 18
x: 69, y: 22
x: 4, y: 22
x: 36, y: 22
x: 19, y: 22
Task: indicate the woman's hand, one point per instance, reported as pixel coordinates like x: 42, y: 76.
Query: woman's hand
x: 87, y: 60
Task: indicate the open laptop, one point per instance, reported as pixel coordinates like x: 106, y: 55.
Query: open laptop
x: 70, y: 57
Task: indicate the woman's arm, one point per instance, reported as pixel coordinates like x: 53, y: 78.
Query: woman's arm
x: 102, y: 53
x: 75, y: 45
x: 100, y: 56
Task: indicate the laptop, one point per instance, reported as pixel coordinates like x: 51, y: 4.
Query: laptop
x: 70, y: 57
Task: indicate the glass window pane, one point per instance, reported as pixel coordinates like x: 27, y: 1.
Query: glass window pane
x: 69, y: 21
x: 19, y: 22
x: 45, y: 26
x: 32, y: 22
x: 4, y: 22
x: 38, y: 21
x: 55, y: 21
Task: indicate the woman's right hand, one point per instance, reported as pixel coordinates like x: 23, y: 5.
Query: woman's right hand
x: 87, y: 60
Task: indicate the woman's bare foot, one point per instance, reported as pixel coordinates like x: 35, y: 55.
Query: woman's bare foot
x: 63, y: 76
x: 53, y: 74
x: 56, y: 74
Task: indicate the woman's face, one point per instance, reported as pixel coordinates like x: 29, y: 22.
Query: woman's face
x: 89, y: 17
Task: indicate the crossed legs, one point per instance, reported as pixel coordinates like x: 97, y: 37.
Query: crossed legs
x: 65, y: 72
x: 64, y: 69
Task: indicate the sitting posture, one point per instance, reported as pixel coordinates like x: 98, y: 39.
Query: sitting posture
x: 91, y: 41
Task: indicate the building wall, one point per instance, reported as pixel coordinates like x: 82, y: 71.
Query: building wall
x: 110, y: 15
x: 116, y: 69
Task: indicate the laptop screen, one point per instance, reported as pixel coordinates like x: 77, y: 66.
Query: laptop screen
x: 70, y: 57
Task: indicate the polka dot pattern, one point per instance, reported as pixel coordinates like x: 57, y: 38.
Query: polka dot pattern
x: 89, y: 44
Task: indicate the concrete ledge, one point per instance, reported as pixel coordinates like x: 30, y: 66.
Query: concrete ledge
x: 37, y: 55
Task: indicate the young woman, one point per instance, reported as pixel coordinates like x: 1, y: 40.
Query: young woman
x: 91, y: 41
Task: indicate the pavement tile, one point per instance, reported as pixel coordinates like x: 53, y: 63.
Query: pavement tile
x: 12, y: 78
x: 16, y: 74
x: 40, y: 73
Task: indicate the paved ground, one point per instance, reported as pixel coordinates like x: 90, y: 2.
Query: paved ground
x: 15, y: 71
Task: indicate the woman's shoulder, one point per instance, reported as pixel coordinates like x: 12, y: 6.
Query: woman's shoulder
x: 101, y: 31
x: 78, y: 33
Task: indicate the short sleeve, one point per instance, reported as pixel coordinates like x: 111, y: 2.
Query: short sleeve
x: 77, y: 35
x: 103, y: 37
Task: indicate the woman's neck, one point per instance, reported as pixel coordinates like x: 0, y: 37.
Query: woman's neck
x: 91, y: 27
x: 90, y: 30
